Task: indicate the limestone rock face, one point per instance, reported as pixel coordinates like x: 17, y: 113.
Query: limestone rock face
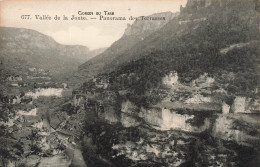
x: 198, y: 99
x: 241, y: 105
x: 165, y: 119
x: 236, y: 128
x: 45, y: 92
x: 205, y: 3
x: 139, y: 27
x: 170, y: 79
x: 172, y: 120
x: 129, y: 121
x: 128, y: 107
x: 152, y: 116
x: 225, y: 108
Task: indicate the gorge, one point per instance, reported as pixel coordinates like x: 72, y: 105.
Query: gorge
x: 183, y: 91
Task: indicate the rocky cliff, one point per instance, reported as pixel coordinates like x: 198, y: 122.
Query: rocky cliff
x: 180, y: 103
x: 142, y: 27
x: 183, y: 98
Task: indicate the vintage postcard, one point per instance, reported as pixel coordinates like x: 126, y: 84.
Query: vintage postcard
x: 130, y: 83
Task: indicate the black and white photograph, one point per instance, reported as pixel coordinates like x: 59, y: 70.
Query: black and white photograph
x: 129, y: 83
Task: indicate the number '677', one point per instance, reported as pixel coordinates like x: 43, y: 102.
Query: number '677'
x: 25, y: 17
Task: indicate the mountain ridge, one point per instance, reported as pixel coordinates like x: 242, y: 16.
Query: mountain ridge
x: 134, y: 33
x: 36, y: 49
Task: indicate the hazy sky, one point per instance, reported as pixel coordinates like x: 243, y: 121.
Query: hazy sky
x: 91, y: 33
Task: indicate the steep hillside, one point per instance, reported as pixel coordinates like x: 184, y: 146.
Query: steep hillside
x: 24, y: 48
x: 193, y: 43
x: 186, y: 95
x: 200, y: 25
x: 134, y: 34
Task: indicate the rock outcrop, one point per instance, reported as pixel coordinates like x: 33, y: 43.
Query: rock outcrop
x: 45, y: 92
x: 225, y: 108
x: 141, y: 27
x: 237, y: 129
x: 170, y: 79
x: 244, y: 105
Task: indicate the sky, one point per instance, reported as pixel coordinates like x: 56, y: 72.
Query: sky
x: 93, y: 33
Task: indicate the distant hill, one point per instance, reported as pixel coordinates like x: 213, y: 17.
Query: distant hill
x: 23, y: 48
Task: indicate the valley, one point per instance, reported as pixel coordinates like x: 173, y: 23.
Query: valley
x: 49, y: 124
x: 183, y: 91
x: 28, y: 138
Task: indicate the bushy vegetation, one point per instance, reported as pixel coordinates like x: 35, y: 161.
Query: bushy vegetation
x: 191, y: 54
x: 197, y: 52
